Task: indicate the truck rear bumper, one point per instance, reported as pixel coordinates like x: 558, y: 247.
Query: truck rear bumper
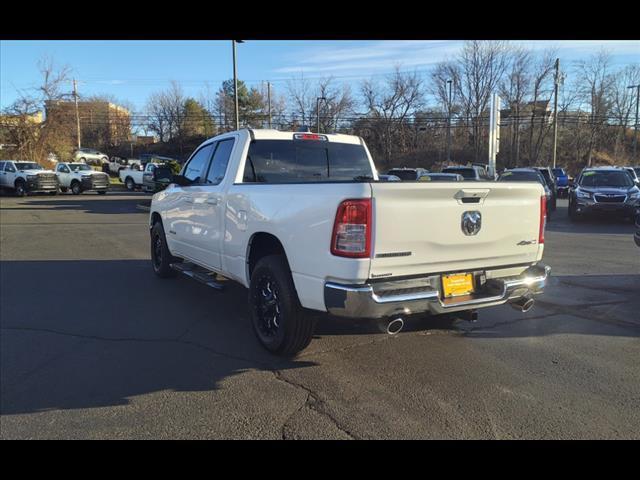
x: 379, y: 301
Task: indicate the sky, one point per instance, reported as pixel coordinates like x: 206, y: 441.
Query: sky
x: 132, y: 70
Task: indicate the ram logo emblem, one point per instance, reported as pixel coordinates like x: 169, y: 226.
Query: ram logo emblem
x: 471, y: 222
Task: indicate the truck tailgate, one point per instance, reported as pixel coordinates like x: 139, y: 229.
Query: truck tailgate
x: 418, y: 227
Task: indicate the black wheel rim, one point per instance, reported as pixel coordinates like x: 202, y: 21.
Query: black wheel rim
x: 268, y: 308
x: 157, y: 252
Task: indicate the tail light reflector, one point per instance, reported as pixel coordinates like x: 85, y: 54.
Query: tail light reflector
x: 543, y: 218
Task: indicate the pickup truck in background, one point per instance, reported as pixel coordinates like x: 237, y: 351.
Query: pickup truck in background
x: 116, y: 164
x: 302, y: 221
x: 27, y: 177
x: 80, y: 177
x: 133, y: 177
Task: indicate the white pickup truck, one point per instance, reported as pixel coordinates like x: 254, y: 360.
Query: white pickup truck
x: 302, y: 221
x: 133, y: 177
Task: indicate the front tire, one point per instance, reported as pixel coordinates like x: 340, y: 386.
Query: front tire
x: 130, y: 184
x: 161, y: 258
x: 102, y: 192
x: 21, y: 189
x: 278, y: 319
x: 76, y: 189
x: 64, y: 189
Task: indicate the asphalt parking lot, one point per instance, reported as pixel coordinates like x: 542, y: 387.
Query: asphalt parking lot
x: 92, y: 345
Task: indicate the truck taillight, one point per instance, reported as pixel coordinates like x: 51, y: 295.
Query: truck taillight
x: 352, y: 229
x: 543, y: 218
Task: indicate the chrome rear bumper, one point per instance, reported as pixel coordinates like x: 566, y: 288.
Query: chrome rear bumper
x: 384, y: 300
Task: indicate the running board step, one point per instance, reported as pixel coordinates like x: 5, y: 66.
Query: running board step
x: 198, y: 273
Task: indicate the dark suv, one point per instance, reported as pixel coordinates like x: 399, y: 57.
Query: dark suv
x: 604, y: 190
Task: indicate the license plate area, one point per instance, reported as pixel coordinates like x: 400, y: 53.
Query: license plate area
x: 457, y: 284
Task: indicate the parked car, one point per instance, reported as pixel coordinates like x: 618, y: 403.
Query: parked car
x: 156, y: 177
x: 441, y: 177
x: 471, y: 173
x: 27, y: 177
x: 529, y: 175
x: 80, y: 177
x: 90, y: 156
x: 407, y: 174
x: 562, y: 182
x: 301, y: 221
x: 133, y: 177
x: 604, y: 190
x: 551, y: 183
x: 389, y: 178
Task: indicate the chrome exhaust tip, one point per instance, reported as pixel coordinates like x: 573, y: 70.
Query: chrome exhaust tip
x: 391, y: 327
x: 523, y: 304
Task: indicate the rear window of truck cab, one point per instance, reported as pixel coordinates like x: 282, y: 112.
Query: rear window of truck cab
x: 304, y: 161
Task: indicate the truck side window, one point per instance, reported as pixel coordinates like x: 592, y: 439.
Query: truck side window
x: 1, y: 166
x: 219, y: 162
x: 194, y: 169
x: 10, y: 168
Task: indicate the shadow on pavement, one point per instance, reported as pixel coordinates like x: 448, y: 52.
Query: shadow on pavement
x: 84, y: 334
x: 80, y: 203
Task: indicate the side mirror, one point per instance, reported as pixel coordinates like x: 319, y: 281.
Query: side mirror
x: 181, y: 180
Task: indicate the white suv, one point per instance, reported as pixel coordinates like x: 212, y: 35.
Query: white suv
x: 90, y: 156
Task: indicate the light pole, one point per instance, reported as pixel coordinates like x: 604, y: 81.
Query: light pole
x: 449, y: 82
x: 318, y: 100
x: 75, y: 98
x: 555, y: 112
x: 635, y: 136
x: 235, y: 83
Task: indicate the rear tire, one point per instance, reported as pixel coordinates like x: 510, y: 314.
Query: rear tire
x: 278, y: 319
x: 161, y: 258
x: 63, y: 189
x: 102, y: 192
x: 129, y: 183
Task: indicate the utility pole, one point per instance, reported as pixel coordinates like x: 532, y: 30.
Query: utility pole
x: 635, y: 136
x: 318, y: 111
x: 235, y: 83
x: 269, y: 100
x: 449, y: 125
x: 494, y: 133
x: 555, y: 111
x: 75, y: 97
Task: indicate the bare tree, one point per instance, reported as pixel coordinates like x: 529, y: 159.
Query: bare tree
x: 514, y: 88
x: 22, y: 125
x: 595, y: 82
x: 479, y: 70
x: 622, y: 102
x: 389, y: 107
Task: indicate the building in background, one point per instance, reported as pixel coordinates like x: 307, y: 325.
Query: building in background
x: 102, y: 124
